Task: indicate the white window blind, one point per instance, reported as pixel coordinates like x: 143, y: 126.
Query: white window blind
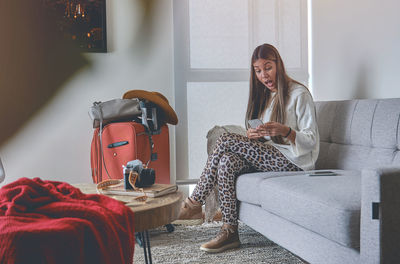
x: 210, y: 104
x: 214, y: 41
x: 218, y: 34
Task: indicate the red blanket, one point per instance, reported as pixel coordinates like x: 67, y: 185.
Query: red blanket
x: 53, y: 222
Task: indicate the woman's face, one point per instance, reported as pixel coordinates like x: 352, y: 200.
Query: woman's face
x: 266, y: 73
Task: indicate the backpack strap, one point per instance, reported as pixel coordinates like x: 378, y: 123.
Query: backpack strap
x: 101, y: 140
x: 150, y: 130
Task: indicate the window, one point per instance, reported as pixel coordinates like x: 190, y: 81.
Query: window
x: 214, y: 41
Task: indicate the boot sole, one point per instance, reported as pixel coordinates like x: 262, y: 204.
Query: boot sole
x: 218, y: 250
x: 188, y: 222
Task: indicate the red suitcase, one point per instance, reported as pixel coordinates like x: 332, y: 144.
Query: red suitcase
x: 126, y: 141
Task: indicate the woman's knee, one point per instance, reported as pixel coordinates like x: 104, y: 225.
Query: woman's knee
x: 222, y: 138
x: 229, y: 139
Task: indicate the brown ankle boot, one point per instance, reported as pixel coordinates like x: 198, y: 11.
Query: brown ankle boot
x: 227, y: 238
x: 190, y: 213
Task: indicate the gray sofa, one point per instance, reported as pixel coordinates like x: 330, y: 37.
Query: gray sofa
x: 353, y: 217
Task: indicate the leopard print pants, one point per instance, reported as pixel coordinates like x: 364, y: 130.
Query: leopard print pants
x: 233, y: 155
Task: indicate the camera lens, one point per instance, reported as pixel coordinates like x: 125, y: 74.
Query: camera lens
x: 147, y: 178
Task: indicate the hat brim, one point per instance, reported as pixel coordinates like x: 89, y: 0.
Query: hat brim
x: 157, y: 98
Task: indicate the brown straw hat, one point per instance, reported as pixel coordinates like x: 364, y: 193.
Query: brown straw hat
x: 157, y: 98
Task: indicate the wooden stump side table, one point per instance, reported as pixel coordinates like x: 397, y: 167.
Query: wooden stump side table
x: 153, y: 213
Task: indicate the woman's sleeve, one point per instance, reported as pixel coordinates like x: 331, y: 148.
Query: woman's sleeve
x: 307, y: 128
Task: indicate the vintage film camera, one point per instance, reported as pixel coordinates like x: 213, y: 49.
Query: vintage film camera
x: 146, y: 177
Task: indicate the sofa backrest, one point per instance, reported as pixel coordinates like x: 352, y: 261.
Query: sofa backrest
x: 357, y: 134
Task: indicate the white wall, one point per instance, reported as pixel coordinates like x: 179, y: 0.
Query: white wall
x: 355, y: 49
x: 355, y: 55
x: 55, y: 144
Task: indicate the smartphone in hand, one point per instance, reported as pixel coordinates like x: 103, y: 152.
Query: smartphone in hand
x: 254, y: 123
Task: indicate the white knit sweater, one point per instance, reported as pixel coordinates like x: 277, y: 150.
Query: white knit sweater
x: 300, y: 116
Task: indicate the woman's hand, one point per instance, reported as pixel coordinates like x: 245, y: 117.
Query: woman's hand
x: 272, y: 129
x: 252, y: 133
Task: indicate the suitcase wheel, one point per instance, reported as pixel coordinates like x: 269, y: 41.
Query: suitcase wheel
x: 170, y: 228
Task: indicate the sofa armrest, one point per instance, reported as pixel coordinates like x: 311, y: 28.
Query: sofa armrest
x: 380, y: 215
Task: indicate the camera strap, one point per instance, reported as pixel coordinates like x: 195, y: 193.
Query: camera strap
x: 112, y: 183
x: 108, y: 183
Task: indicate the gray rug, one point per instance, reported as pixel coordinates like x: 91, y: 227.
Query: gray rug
x: 182, y: 246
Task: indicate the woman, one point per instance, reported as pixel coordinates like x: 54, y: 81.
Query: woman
x: 288, y: 140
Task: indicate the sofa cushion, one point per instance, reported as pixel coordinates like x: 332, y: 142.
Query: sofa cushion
x: 354, y: 133
x: 327, y: 205
x: 248, y: 185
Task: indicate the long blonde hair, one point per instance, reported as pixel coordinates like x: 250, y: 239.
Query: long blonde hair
x: 259, y: 95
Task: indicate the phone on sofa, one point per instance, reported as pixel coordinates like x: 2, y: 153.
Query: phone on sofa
x: 322, y: 173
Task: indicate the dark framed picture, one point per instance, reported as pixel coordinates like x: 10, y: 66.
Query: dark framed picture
x: 82, y: 21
